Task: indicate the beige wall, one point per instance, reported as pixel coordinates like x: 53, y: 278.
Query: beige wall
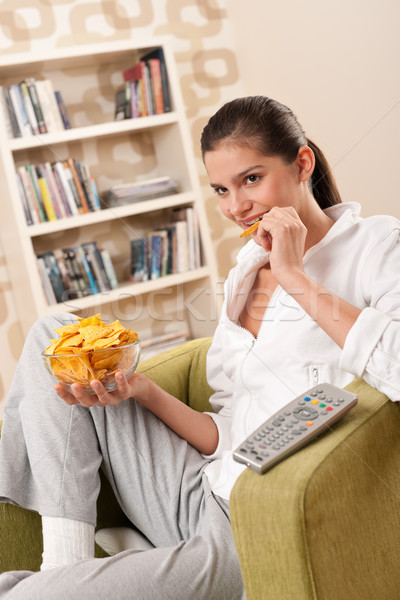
x: 336, y: 64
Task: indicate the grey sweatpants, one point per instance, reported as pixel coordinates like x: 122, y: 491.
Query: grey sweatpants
x: 50, y: 455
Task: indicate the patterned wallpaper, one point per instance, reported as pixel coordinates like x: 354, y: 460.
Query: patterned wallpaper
x: 207, y: 68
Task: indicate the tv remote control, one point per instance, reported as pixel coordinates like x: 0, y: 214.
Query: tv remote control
x: 294, y: 426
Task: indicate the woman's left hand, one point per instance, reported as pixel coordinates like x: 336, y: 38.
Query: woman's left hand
x: 125, y: 389
x: 282, y: 233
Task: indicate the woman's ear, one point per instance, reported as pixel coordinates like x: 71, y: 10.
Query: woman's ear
x: 305, y: 163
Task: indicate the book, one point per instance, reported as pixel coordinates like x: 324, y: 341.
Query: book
x: 137, y: 73
x: 75, y: 272
x: 11, y: 112
x: 29, y: 107
x: 70, y: 287
x: 120, y: 104
x: 5, y: 114
x: 37, y: 195
x: 83, y: 205
x: 46, y: 283
x: 31, y: 85
x: 56, y: 199
x: 155, y: 70
x: 97, y: 264
x: 20, y: 111
x: 87, y: 271
x: 158, y: 53
x: 109, y: 268
x: 24, y: 200
x: 47, y: 200
x: 54, y: 275
x: 61, y: 191
x: 48, y: 103
x: 63, y: 110
x: 139, y: 268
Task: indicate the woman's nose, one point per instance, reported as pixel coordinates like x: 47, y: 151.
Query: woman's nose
x: 240, y: 203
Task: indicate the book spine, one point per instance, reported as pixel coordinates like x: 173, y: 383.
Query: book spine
x: 120, y: 105
x: 54, y: 275
x: 24, y: 200
x: 63, y: 110
x: 75, y: 272
x: 55, y: 197
x: 29, y: 107
x: 70, y: 286
x: 61, y: 192
x: 155, y: 71
x: 48, y: 205
x: 31, y: 84
x: 5, y: 114
x: 11, y: 112
x: 58, y: 168
x: 44, y: 102
x: 37, y: 192
x: 109, y: 268
x: 20, y: 112
x: 90, y: 251
x: 45, y: 279
x: 84, y: 208
x: 91, y: 280
x: 53, y: 105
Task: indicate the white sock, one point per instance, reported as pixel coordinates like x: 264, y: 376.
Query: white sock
x: 65, y: 541
x: 118, y: 539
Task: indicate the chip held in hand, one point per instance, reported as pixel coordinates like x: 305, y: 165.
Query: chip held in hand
x: 250, y: 229
x: 89, y: 349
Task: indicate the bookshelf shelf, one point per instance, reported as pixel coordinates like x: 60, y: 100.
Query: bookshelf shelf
x: 132, y: 290
x: 118, y: 152
x: 92, y: 131
x: 109, y: 214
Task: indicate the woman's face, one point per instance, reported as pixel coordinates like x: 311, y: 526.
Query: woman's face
x: 249, y: 184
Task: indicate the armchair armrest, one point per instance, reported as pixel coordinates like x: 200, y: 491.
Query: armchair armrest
x: 324, y: 523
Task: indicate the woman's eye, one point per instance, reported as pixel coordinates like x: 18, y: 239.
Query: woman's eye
x: 220, y: 190
x: 252, y: 178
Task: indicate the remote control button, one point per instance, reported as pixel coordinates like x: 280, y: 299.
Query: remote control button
x: 315, y: 401
x: 336, y: 404
x: 276, y: 423
x: 319, y: 391
x: 307, y: 398
x: 243, y: 450
x: 309, y: 423
x: 322, y: 405
x: 306, y: 413
x: 313, y: 394
x: 296, y: 432
x: 340, y: 400
x: 329, y: 408
x: 328, y: 399
x: 322, y: 397
x: 301, y: 402
x: 287, y: 413
x: 281, y: 418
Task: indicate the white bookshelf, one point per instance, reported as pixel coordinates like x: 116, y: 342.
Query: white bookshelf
x: 118, y: 152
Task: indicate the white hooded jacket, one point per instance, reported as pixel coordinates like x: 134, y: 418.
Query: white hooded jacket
x: 358, y: 260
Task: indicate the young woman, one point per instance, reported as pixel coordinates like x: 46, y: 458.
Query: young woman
x: 314, y: 296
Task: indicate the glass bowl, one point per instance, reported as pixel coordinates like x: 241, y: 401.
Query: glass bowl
x: 82, y: 367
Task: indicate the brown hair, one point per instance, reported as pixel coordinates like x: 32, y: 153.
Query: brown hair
x: 274, y: 129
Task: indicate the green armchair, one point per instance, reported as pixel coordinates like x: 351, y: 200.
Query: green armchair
x: 324, y: 524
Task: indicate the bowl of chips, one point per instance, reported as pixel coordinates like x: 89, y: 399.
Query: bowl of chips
x: 89, y: 349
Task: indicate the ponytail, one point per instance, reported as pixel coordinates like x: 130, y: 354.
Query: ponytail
x: 323, y: 184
